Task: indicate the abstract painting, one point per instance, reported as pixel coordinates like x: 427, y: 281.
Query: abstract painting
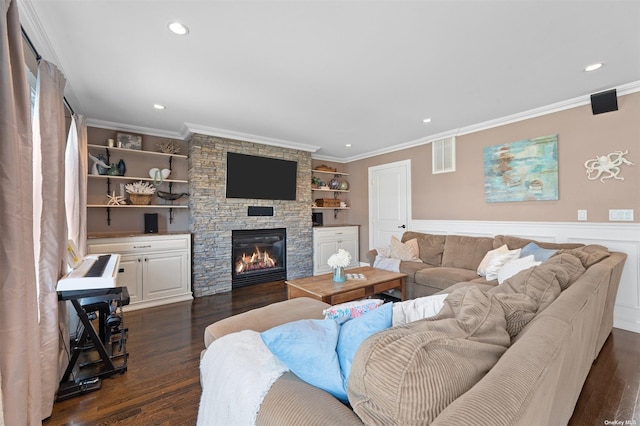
x: 525, y: 170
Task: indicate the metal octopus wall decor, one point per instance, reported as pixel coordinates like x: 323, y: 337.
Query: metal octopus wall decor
x: 607, y: 166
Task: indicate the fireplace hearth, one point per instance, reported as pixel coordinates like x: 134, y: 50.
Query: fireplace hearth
x: 258, y: 256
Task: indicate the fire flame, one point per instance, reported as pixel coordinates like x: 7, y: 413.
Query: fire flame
x: 254, y: 261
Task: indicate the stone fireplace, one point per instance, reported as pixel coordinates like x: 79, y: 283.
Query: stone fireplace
x: 213, y: 217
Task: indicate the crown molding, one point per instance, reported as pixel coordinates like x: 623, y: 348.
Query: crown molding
x: 134, y: 129
x: 230, y: 134
x: 622, y: 90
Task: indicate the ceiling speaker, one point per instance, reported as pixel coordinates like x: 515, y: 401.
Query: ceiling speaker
x: 606, y: 101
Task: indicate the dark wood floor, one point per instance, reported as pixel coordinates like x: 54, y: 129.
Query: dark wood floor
x: 162, y: 387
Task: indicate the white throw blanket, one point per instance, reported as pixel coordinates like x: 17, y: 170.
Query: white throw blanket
x: 236, y: 372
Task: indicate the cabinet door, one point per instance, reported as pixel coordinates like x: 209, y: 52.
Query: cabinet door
x: 325, y: 246
x: 130, y: 275
x: 165, y: 274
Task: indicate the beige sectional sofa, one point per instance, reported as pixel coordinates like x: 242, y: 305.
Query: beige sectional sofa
x: 450, y: 259
x: 514, y: 354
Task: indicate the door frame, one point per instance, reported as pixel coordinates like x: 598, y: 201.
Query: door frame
x: 407, y: 168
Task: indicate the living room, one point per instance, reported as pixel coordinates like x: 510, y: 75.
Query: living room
x: 442, y: 203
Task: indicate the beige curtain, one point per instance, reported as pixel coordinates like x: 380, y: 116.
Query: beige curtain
x: 50, y: 233
x: 20, y: 347
x: 75, y: 190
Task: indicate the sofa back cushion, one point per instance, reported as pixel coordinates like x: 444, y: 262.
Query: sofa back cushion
x: 465, y: 252
x: 517, y: 242
x: 430, y: 246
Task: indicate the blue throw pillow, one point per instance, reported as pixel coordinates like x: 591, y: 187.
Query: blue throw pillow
x: 539, y: 254
x: 308, y: 349
x: 320, y: 352
x: 356, y: 331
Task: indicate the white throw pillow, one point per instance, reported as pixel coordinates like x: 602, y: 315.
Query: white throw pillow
x: 515, y: 266
x: 494, y: 260
x: 417, y: 309
x: 407, y: 251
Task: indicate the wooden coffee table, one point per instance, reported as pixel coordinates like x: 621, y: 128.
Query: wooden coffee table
x: 322, y: 287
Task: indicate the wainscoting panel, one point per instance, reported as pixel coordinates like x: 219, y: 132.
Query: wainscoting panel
x: 624, y: 238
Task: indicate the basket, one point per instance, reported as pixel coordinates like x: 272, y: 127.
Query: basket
x: 140, y: 199
x: 328, y: 202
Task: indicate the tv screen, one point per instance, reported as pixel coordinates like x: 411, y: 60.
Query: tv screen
x: 250, y: 176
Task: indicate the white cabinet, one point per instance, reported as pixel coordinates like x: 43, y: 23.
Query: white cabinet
x: 155, y: 268
x: 327, y: 241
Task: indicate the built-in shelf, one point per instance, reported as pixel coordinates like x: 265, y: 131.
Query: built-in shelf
x: 139, y: 154
x: 136, y: 151
x: 135, y: 178
x: 336, y: 192
x: 330, y: 173
x: 140, y: 206
x: 329, y: 190
x: 331, y: 208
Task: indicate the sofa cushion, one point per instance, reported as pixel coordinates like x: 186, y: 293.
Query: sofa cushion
x: 443, y: 277
x: 588, y: 255
x: 406, y: 251
x: 517, y: 242
x: 465, y: 252
x: 408, y: 374
x: 410, y: 268
x: 430, y: 246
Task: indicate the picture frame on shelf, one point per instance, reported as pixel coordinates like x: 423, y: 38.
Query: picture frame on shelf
x: 129, y: 140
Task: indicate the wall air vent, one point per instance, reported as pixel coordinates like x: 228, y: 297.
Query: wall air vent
x: 443, y: 154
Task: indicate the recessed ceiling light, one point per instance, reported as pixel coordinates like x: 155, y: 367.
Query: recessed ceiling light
x: 426, y: 120
x: 593, y: 67
x: 178, y: 28
x: 348, y: 145
x: 158, y: 106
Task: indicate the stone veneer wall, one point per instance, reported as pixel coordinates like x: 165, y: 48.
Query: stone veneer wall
x: 213, y: 216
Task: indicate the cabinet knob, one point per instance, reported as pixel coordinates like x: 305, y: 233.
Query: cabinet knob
x: 121, y: 270
x: 147, y: 246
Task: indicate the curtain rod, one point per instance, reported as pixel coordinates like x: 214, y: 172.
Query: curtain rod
x: 39, y: 58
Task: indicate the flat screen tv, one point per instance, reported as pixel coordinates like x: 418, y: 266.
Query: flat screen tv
x: 251, y: 176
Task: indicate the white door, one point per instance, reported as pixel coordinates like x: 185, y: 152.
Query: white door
x: 389, y: 202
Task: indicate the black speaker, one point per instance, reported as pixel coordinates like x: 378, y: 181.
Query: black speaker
x: 260, y: 211
x: 606, y: 101
x: 151, y: 223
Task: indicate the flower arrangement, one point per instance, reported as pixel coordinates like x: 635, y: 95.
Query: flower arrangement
x: 340, y: 259
x: 140, y: 187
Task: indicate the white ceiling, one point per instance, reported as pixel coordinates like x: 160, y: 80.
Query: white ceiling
x: 323, y: 74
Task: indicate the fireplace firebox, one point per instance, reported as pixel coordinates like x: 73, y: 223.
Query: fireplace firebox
x: 258, y: 256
